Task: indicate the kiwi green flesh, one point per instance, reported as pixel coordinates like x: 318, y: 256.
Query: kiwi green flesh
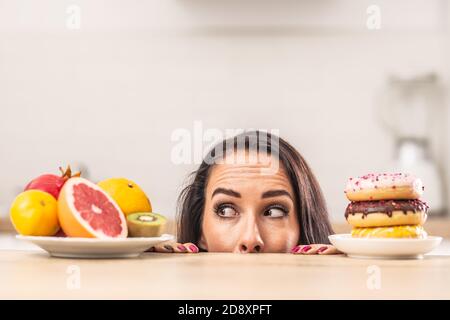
x: 145, y: 224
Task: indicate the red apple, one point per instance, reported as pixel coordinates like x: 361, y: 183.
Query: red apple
x: 51, y: 183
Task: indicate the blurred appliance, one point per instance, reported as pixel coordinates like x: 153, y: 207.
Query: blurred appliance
x: 410, y: 112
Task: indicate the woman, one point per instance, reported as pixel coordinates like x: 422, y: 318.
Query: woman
x: 252, y: 193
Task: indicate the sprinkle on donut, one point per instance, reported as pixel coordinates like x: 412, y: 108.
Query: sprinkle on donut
x: 382, y: 186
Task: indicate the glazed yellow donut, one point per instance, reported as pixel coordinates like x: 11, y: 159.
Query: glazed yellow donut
x: 390, y: 232
x: 384, y: 186
x: 385, y: 213
x: 381, y: 219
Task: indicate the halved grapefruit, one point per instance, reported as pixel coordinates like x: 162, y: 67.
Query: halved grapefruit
x: 86, y: 211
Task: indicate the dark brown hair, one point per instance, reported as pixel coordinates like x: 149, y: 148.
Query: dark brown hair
x: 312, y: 212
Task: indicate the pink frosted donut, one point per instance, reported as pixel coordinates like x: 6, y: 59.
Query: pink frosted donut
x: 384, y: 186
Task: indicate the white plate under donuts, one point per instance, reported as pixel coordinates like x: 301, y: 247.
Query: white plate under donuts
x: 384, y: 248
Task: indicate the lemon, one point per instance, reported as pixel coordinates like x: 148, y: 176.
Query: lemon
x: 35, y: 213
x: 127, y: 194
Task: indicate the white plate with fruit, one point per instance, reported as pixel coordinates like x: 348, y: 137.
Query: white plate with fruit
x: 69, y: 216
x: 90, y: 248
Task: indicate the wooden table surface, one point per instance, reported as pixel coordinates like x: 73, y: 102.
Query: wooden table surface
x: 28, y: 274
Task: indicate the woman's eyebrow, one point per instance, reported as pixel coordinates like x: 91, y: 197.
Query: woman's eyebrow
x: 228, y: 192
x: 275, y: 193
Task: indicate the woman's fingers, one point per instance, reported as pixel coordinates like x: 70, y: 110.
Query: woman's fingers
x: 301, y: 249
x: 329, y: 249
x: 306, y: 249
x: 180, y: 248
x: 192, y: 248
x: 310, y: 249
x: 315, y: 249
x: 175, y: 247
x: 189, y: 247
x: 162, y: 248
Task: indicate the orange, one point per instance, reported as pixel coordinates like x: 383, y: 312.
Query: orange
x: 128, y: 195
x: 34, y: 213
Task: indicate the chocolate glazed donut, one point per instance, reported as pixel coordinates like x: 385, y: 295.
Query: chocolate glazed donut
x: 385, y: 206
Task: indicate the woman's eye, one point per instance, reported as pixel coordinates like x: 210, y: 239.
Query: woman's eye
x: 275, y: 213
x: 226, y: 211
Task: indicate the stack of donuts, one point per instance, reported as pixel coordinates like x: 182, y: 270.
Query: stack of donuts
x: 386, y: 205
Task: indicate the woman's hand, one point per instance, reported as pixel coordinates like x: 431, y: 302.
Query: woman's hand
x: 175, y: 247
x: 315, y: 249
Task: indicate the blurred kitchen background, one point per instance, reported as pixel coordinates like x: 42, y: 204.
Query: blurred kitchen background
x: 107, y: 96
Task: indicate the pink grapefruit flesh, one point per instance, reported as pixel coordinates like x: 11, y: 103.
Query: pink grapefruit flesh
x: 85, y: 210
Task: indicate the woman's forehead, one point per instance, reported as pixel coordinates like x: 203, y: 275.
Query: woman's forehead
x: 244, y: 175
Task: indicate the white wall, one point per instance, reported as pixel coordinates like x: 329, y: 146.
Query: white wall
x: 110, y: 94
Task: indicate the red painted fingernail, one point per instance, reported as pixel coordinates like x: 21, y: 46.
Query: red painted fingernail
x: 193, y: 248
x: 295, y: 249
x: 181, y: 248
x: 321, y: 249
x: 306, y: 248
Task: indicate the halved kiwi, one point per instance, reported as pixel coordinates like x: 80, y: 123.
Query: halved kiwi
x: 145, y: 224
